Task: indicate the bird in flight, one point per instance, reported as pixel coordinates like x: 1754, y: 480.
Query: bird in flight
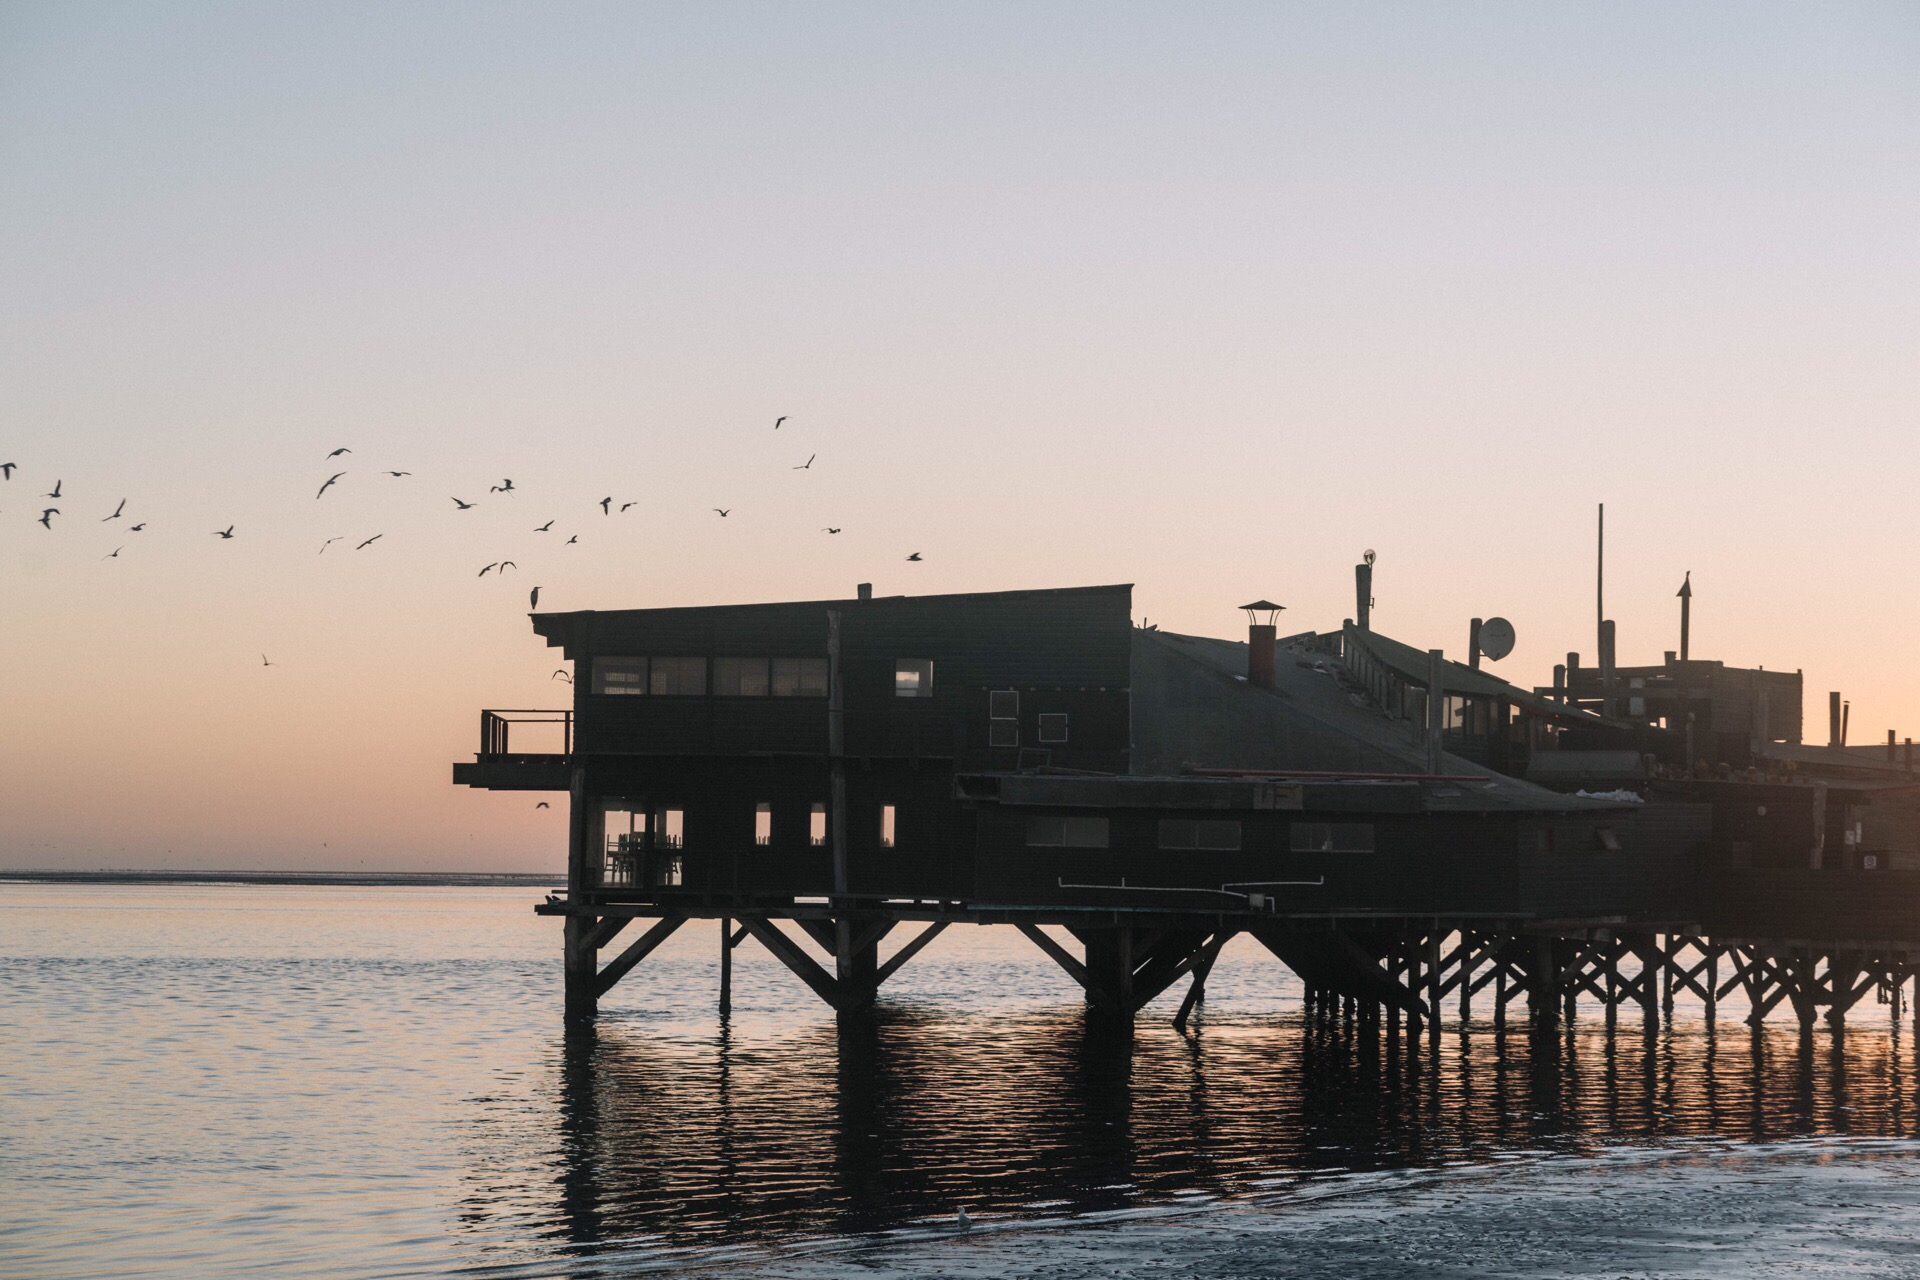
x: 723, y: 511
x: 489, y: 569
x: 808, y: 464
x: 829, y: 529
x: 625, y: 505
x: 533, y: 601
x: 329, y: 542
x: 464, y: 506
x: 329, y: 484
x: 55, y: 495
x: 264, y: 662
x: 370, y: 541
x: 777, y: 421
x: 113, y: 554
x: 46, y: 517
x: 399, y: 473
x: 914, y: 556
x: 137, y: 528
x: 575, y: 538
x: 224, y: 533
x: 337, y: 452
x: 562, y: 674
x: 543, y: 528
x: 606, y: 506
x: 505, y: 486
x: 6, y: 468
x: 506, y: 565
x: 116, y: 512
x: 543, y: 805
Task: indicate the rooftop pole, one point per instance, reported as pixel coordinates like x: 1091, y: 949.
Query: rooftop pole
x: 1686, y: 610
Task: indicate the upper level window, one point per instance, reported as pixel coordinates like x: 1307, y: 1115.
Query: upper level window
x: 886, y: 826
x: 1053, y: 726
x: 798, y: 677
x: 1199, y: 833
x: 763, y: 824
x: 817, y: 826
x: 739, y: 677
x: 1067, y: 832
x: 913, y: 678
x: 619, y: 675
x: 683, y: 676
x: 1003, y: 718
x: 1332, y: 837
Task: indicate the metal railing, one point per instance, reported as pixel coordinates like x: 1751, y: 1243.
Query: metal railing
x: 496, y: 729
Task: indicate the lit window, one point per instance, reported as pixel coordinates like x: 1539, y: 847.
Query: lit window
x: 817, y: 827
x: 886, y: 826
x: 686, y: 677
x: 1053, y: 726
x: 619, y: 675
x: 1060, y: 832
x: 763, y: 825
x: 913, y: 678
x: 669, y: 828
x: 1199, y: 833
x: 799, y: 677
x: 1332, y: 837
x: 740, y: 677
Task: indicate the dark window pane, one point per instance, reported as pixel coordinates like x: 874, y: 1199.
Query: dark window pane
x: 799, y: 677
x: 740, y: 677
x: 1003, y: 733
x: 1053, y: 727
x: 685, y: 677
x: 1003, y: 704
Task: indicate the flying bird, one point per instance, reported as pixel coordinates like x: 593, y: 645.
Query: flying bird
x: 829, y: 529
x: 6, y: 468
x: 575, y: 538
x: 505, y: 486
x: 55, y: 495
x: 264, y: 662
x: 399, y: 473
x: 116, y: 512
x: 543, y: 528
x: 224, y: 533
x: 370, y: 541
x: 489, y: 569
x: 506, y: 565
x: 337, y: 452
x: 329, y: 542
x: 723, y: 511
x: 562, y: 674
x: 329, y: 484
x: 46, y: 517
x: 137, y: 528
x: 808, y: 464
x: 625, y: 505
x: 914, y: 556
x: 777, y: 421
x: 606, y: 506
x: 543, y: 805
x: 533, y: 601
x: 464, y: 506
x: 113, y: 554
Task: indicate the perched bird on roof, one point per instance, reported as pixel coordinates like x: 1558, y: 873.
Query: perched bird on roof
x: 224, y: 533
x: 533, y: 600
x: 116, y: 512
x: 337, y: 452
x: 329, y: 484
x: 464, y: 506
x: 370, y: 541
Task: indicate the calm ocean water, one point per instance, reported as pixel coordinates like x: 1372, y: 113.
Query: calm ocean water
x: 339, y: 1082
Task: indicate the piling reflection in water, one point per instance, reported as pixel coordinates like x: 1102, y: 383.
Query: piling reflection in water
x: 904, y: 1117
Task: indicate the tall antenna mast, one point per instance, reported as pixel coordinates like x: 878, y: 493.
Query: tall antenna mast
x: 1600, y: 578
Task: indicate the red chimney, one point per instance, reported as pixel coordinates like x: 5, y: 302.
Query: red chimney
x: 1260, y: 642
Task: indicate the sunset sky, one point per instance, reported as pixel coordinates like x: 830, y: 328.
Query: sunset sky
x: 1206, y: 298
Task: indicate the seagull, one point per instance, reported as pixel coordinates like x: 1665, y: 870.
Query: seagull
x: 914, y: 556
x: 961, y: 1220
x: 464, y: 506
x: 114, y: 554
x: 337, y: 452
x: 224, y: 533
x: 505, y: 486
x: 533, y: 601
x: 329, y: 542
x: 329, y: 484
x: 606, y: 506
x: 6, y: 468
x: 625, y: 505
x: 575, y: 538
x: 490, y: 568
x: 543, y: 805
x: 723, y: 511
x: 808, y: 464
x: 777, y: 421
x: 543, y: 528
x: 116, y: 512
x: 506, y: 565
x: 55, y: 495
x: 137, y: 528
x: 399, y: 473
x: 46, y: 517
x: 264, y: 662
x: 562, y: 674
x: 829, y: 529
x: 370, y: 541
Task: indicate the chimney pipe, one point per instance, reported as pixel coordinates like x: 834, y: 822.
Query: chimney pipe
x: 1833, y: 719
x: 1607, y: 667
x: 1846, y: 712
x: 1560, y: 683
x: 1573, y: 672
x: 1473, y: 644
x: 1363, y: 596
x: 1890, y: 745
x: 864, y: 591
x: 1261, y: 647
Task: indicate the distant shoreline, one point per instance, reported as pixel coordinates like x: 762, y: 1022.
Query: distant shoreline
x: 430, y: 879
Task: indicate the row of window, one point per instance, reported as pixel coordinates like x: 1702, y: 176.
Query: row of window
x: 1058, y: 831
x: 669, y: 675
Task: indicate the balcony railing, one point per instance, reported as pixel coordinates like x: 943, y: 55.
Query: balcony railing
x: 496, y: 729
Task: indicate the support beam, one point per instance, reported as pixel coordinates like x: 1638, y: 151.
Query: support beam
x: 622, y: 964
x: 908, y: 952
x: 788, y: 952
x: 1202, y: 966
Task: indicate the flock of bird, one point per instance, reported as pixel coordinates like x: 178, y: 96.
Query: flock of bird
x: 506, y: 486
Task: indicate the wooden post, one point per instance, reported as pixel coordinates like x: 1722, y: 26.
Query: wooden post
x: 726, y: 965
x: 582, y: 1001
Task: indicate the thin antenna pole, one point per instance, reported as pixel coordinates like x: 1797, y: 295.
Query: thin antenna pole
x: 1600, y: 575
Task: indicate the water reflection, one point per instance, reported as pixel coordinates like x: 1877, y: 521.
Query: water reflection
x: 668, y: 1142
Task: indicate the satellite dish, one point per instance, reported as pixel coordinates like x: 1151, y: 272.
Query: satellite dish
x: 1496, y: 638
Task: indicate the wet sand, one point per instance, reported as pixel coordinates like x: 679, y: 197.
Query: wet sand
x: 1797, y: 1209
